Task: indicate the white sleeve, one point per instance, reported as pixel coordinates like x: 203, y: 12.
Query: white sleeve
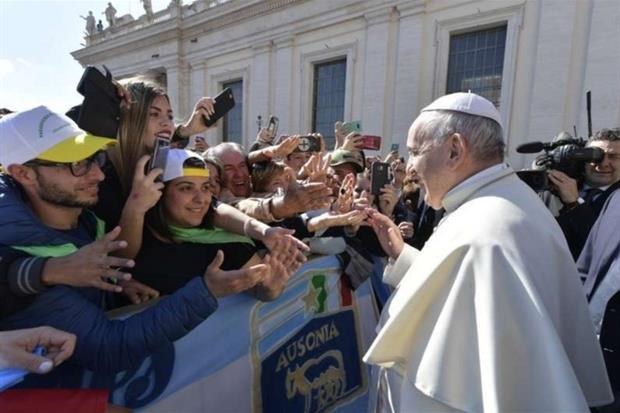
x: 395, y: 271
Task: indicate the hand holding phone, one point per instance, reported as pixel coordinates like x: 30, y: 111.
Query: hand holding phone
x: 272, y: 127
x: 160, y: 156
x: 224, y: 102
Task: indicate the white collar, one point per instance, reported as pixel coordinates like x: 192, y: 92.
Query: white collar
x: 460, y: 193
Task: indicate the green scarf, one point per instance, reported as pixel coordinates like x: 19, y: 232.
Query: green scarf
x: 61, y: 250
x: 206, y: 236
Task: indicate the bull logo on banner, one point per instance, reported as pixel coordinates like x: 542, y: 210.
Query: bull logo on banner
x: 321, y: 392
x: 316, y: 367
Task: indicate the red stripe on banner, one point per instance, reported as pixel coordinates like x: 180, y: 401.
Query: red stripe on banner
x: 345, y: 291
x: 54, y: 400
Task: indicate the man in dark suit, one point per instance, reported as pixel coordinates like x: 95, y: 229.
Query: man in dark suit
x: 599, y: 264
x: 583, y: 206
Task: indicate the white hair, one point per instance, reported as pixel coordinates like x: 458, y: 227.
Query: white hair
x: 217, y: 150
x: 484, y: 135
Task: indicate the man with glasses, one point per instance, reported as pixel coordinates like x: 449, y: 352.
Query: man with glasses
x: 47, y: 238
x: 490, y: 315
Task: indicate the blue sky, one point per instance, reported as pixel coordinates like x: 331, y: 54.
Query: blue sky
x: 36, y: 39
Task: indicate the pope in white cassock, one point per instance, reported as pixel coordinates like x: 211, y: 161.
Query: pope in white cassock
x: 490, y: 316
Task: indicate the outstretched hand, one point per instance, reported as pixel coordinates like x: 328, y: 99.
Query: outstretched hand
x: 137, y: 292
x: 281, y: 240
x: 387, y: 232
x: 222, y: 283
x: 90, y: 265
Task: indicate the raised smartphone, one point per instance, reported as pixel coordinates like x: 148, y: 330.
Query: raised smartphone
x: 379, y: 176
x: 371, y: 142
x: 160, y: 156
x: 353, y: 126
x: 224, y: 102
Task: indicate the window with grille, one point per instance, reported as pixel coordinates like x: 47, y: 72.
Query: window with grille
x: 476, y: 63
x: 232, y: 130
x: 328, y: 97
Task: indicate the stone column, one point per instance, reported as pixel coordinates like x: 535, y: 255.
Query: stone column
x: 259, y: 90
x: 283, y: 75
x: 378, y: 73
x: 409, y: 33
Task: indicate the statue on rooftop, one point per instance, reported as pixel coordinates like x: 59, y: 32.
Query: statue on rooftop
x: 148, y: 8
x: 110, y: 14
x: 90, y: 23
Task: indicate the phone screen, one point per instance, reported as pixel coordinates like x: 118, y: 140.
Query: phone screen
x: 160, y: 156
x: 371, y: 142
x: 272, y: 128
x: 348, y: 127
x: 309, y: 143
x: 380, y: 176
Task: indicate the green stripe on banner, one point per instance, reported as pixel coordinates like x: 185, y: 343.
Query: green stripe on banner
x: 318, y: 283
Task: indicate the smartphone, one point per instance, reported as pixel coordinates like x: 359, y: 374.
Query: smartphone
x: 348, y: 127
x: 100, y: 111
x: 371, y: 142
x: 395, y: 147
x: 309, y: 143
x: 160, y: 156
x: 224, y: 102
x: 379, y: 176
x: 272, y: 126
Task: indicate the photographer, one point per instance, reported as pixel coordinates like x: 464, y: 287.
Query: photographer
x: 581, y: 206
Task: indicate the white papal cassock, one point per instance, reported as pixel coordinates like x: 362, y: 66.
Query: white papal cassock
x: 490, y: 315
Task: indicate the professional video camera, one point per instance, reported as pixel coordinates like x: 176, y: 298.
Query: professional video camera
x: 565, y: 153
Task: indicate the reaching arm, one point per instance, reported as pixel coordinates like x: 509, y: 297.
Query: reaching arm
x: 110, y: 346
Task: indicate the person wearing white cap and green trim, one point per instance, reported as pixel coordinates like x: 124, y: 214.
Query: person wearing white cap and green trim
x: 56, y: 273
x: 490, y: 316
x: 180, y: 229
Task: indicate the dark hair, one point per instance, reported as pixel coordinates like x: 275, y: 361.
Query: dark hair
x: 156, y: 220
x: 212, y: 160
x: 611, y: 135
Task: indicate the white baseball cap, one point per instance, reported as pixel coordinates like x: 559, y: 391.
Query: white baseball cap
x: 42, y: 134
x: 466, y: 102
x: 177, y: 165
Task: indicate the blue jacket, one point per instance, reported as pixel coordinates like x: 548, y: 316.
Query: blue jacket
x: 104, y: 346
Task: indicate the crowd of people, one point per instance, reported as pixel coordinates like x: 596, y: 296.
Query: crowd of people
x: 483, y: 308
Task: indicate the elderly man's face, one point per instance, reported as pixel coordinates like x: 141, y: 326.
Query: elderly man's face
x: 236, y: 174
x: 429, y: 160
x: 607, y: 171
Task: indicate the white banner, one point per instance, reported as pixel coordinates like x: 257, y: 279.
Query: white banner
x: 299, y: 353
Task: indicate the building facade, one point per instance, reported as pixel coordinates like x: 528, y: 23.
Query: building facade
x: 310, y: 62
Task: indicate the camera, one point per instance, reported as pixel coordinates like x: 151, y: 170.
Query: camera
x: 565, y: 154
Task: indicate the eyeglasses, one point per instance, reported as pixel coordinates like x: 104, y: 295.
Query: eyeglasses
x: 78, y: 168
